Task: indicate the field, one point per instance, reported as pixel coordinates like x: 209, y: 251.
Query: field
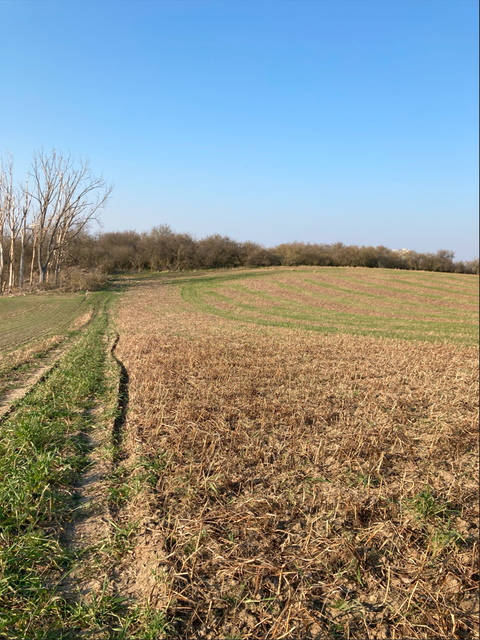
x: 275, y: 453
x: 32, y: 327
x: 310, y: 474
x: 371, y: 302
x: 28, y: 318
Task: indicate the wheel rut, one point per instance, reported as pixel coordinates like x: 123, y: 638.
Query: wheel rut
x: 41, y: 373
x: 123, y: 399
x: 89, y: 533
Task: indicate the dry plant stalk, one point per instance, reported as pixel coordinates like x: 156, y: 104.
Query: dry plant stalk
x: 82, y: 320
x: 300, y: 485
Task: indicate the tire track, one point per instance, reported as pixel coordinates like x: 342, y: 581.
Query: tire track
x: 9, y: 401
x: 122, y: 401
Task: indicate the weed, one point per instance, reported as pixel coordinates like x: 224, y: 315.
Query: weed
x: 426, y: 506
x: 154, y: 466
x: 444, y: 538
x: 122, y: 538
x: 344, y: 605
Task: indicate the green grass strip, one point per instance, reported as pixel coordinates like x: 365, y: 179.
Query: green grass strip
x: 354, y: 299
x: 41, y: 456
x: 405, y: 285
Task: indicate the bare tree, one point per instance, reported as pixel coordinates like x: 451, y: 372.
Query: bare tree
x: 13, y: 219
x: 68, y: 197
x: 8, y: 218
x: 34, y: 249
x: 3, y: 215
x: 24, y: 230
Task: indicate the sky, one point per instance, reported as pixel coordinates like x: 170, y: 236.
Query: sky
x: 273, y: 121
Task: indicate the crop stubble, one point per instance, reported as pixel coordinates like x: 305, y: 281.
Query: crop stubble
x: 300, y: 483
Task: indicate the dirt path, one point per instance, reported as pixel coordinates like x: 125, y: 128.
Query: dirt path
x: 90, y: 532
x: 91, y: 525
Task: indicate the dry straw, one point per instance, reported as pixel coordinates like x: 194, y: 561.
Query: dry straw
x: 300, y: 485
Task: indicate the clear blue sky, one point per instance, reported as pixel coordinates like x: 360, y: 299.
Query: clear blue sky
x: 352, y: 121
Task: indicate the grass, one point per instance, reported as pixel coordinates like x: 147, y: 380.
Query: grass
x: 18, y: 364
x: 34, y: 316
x: 33, y: 326
x: 43, y: 453
x: 371, y: 302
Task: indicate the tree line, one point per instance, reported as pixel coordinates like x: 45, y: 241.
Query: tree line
x: 162, y: 249
x: 45, y: 239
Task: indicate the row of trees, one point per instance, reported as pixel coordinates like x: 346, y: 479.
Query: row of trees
x: 45, y: 237
x: 40, y: 218
x: 161, y: 249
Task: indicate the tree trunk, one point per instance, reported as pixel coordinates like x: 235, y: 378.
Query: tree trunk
x: 42, y: 268
x: 11, y: 275
x: 1, y: 266
x: 22, y: 263
x: 33, y: 259
x: 56, y: 267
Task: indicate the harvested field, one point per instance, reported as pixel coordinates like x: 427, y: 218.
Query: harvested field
x: 303, y: 484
